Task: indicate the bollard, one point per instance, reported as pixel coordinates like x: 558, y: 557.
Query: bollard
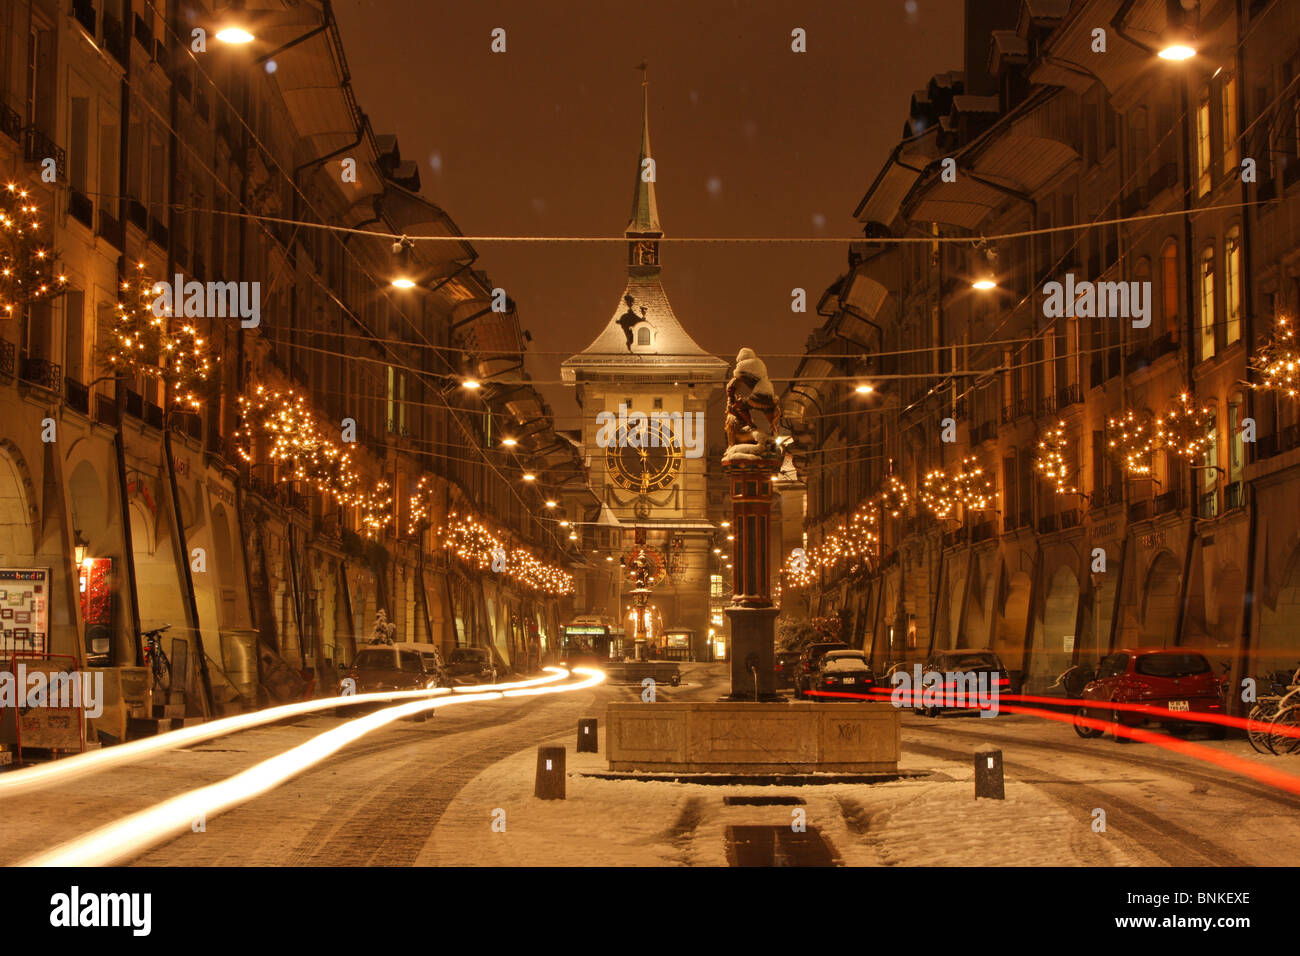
x: 587, y: 737
x: 988, y: 774
x: 550, y: 773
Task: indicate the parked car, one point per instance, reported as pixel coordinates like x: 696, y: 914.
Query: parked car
x: 844, y: 672
x: 786, y: 663
x: 1174, y: 682
x: 471, y: 665
x: 983, y: 663
x: 808, y: 659
x: 381, y: 667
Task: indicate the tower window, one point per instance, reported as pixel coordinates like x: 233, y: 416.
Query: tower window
x: 643, y: 336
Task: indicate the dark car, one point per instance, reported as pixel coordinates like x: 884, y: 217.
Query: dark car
x: 471, y: 665
x: 843, y: 672
x: 812, y: 654
x: 785, y: 665
x: 381, y: 667
x: 1172, y: 682
x: 979, y: 663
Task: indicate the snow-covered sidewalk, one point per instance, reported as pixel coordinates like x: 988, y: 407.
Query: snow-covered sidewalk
x: 926, y: 821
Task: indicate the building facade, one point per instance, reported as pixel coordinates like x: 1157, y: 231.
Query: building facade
x: 152, y: 154
x: 1058, y: 471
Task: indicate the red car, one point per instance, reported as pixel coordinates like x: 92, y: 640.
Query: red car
x: 1173, y: 682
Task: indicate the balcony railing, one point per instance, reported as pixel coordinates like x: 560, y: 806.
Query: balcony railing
x: 1166, y: 503
x: 106, y: 410
x: 1279, y: 441
x: 42, y: 373
x: 115, y: 40
x: 1015, y: 411
x: 1139, y: 510
x: 110, y: 230
x: 1208, y: 505
x: 985, y: 432
x: 984, y: 530
x: 37, y: 148
x: 1047, y: 524
x: 81, y: 208
x: 1234, y: 496
x: 1069, y: 518
x: 1068, y: 395
x: 11, y: 123
x: 7, y: 366
x: 78, y: 395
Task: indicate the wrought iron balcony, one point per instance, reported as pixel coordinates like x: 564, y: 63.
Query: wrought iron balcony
x: 41, y: 373
x: 37, y: 148
x: 1234, y: 496
x: 7, y: 366
x: 78, y: 395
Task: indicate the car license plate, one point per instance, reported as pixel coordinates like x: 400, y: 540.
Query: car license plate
x: 850, y: 680
x: 1178, y: 705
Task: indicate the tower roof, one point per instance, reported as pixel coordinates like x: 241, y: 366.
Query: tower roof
x: 643, y: 336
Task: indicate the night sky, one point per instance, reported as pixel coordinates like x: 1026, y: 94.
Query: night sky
x: 749, y: 139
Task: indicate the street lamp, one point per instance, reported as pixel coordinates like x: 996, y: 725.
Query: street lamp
x: 80, y: 544
x: 234, y: 35
x: 864, y: 389
x: 471, y: 384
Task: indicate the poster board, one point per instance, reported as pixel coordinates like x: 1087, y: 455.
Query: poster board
x: 24, y: 611
x: 55, y: 721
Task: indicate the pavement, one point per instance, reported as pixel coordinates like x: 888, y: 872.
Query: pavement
x: 457, y: 790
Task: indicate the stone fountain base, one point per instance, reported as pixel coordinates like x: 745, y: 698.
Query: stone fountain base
x: 733, y: 737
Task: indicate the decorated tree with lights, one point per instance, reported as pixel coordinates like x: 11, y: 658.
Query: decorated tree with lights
x: 1052, y: 463
x: 29, y: 269
x: 282, y: 426
x: 1184, y: 429
x: 149, y: 342
x: 1277, y: 363
x: 942, y: 492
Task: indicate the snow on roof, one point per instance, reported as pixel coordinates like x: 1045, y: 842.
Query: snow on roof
x: 649, y: 308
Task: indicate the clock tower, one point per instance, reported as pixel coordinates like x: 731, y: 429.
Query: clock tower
x: 644, y: 386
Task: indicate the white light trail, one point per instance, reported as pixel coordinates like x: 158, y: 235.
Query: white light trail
x: 134, y: 834
x: 72, y: 768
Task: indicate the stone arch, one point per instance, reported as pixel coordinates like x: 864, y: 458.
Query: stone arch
x: 1009, y: 634
x: 18, y: 511
x: 1160, y: 600
x: 1278, y: 642
x: 1055, y: 632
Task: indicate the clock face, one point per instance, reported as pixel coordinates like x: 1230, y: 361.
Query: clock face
x: 645, y: 460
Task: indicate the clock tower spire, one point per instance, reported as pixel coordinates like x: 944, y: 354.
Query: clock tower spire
x: 643, y: 231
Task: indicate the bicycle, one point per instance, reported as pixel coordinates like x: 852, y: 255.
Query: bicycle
x: 1286, y: 716
x: 1268, y: 709
x: 159, y: 666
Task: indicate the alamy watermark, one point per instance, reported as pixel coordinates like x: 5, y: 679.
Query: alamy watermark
x: 959, y: 690
x: 62, y: 690
x: 212, y: 300
x: 658, y: 429
x: 1102, y: 300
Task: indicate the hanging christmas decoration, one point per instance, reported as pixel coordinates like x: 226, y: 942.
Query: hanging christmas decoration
x: 1277, y: 363
x: 150, y: 342
x: 1051, y: 463
x: 29, y: 269
x: 941, y: 492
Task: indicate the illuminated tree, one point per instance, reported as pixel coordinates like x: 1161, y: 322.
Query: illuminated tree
x: 29, y: 269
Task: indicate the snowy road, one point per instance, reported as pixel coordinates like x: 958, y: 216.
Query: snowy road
x: 429, y: 794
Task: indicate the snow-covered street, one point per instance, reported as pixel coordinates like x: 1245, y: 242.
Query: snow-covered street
x: 458, y: 790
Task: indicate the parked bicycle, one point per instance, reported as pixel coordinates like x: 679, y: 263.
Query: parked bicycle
x: 1274, y: 714
x: 156, y: 659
